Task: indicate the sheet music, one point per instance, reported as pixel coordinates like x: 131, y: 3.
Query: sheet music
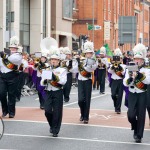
x: 47, y: 74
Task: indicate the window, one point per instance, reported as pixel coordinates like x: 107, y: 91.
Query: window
x: 25, y: 24
x: 67, y: 9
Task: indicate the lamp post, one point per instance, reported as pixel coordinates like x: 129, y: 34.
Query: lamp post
x: 143, y: 21
x: 93, y: 17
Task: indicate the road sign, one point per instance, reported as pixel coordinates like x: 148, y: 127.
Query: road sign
x: 127, y: 29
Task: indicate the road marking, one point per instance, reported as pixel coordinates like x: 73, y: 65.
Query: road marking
x: 91, y: 99
x: 77, y: 139
x: 95, y: 109
x: 37, y: 99
x: 73, y: 124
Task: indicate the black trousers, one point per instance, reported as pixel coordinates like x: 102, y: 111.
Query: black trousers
x: 101, y: 79
x: 84, y: 97
x: 41, y: 99
x: 137, y: 112
x: 53, y: 109
x: 8, y: 86
x: 21, y: 83
x: 96, y: 83
x: 117, y: 93
x: 148, y: 100
x: 67, y: 87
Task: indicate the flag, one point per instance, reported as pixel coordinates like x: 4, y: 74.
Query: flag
x: 90, y: 27
x: 109, y: 53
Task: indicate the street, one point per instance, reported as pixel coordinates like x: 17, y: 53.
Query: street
x: 106, y: 129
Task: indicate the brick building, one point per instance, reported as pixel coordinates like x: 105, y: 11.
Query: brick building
x: 109, y: 11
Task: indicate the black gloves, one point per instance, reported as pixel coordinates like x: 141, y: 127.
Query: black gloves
x: 2, y: 54
x: 129, y: 80
x: 41, y: 64
x: 70, y: 64
x: 139, y: 75
x: 112, y: 68
x: 54, y: 77
x: 45, y: 82
x: 120, y: 68
x: 35, y: 65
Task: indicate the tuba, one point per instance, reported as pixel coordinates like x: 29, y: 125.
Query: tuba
x: 47, y: 44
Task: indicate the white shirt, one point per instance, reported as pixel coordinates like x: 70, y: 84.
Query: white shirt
x: 87, y: 67
x: 104, y: 61
x: 62, y: 75
x: 15, y: 58
x: 39, y: 71
x: 114, y: 75
x: 145, y: 81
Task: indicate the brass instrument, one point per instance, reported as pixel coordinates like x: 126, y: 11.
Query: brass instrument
x: 100, y: 63
x: 63, y: 63
x: 116, y: 63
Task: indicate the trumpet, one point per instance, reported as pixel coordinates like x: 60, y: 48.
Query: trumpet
x: 36, y: 60
x: 63, y: 63
x: 116, y: 64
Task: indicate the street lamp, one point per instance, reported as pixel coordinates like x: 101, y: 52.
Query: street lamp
x: 93, y: 17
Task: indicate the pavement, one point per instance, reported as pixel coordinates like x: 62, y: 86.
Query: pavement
x: 106, y: 129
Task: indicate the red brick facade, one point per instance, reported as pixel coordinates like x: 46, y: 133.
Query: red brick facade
x: 104, y: 10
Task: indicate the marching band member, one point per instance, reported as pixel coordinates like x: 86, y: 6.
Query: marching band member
x: 9, y: 76
x: 117, y: 71
x: 40, y: 66
x: 54, y: 96
x: 147, y: 65
x: 85, y: 69
x: 68, y: 66
x: 23, y: 66
x: 102, y: 66
x: 137, y: 82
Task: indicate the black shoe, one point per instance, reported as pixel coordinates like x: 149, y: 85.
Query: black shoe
x: 85, y: 122
x: 42, y: 107
x: 81, y: 118
x: 55, y: 135
x: 17, y: 99
x: 4, y: 115
x: 135, y: 135
x: 66, y: 100
x: 118, y: 112
x: 138, y: 140
x: 102, y: 92
x: 11, y: 116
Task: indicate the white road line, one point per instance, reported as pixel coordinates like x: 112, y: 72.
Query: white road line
x: 78, y: 139
x: 91, y: 98
x: 37, y: 99
x: 96, y: 109
x: 73, y: 124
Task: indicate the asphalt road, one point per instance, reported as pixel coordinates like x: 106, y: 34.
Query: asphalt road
x: 106, y: 130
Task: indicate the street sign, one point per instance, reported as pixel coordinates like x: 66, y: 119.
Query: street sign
x: 97, y: 27
x: 127, y: 29
x: 107, y: 30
